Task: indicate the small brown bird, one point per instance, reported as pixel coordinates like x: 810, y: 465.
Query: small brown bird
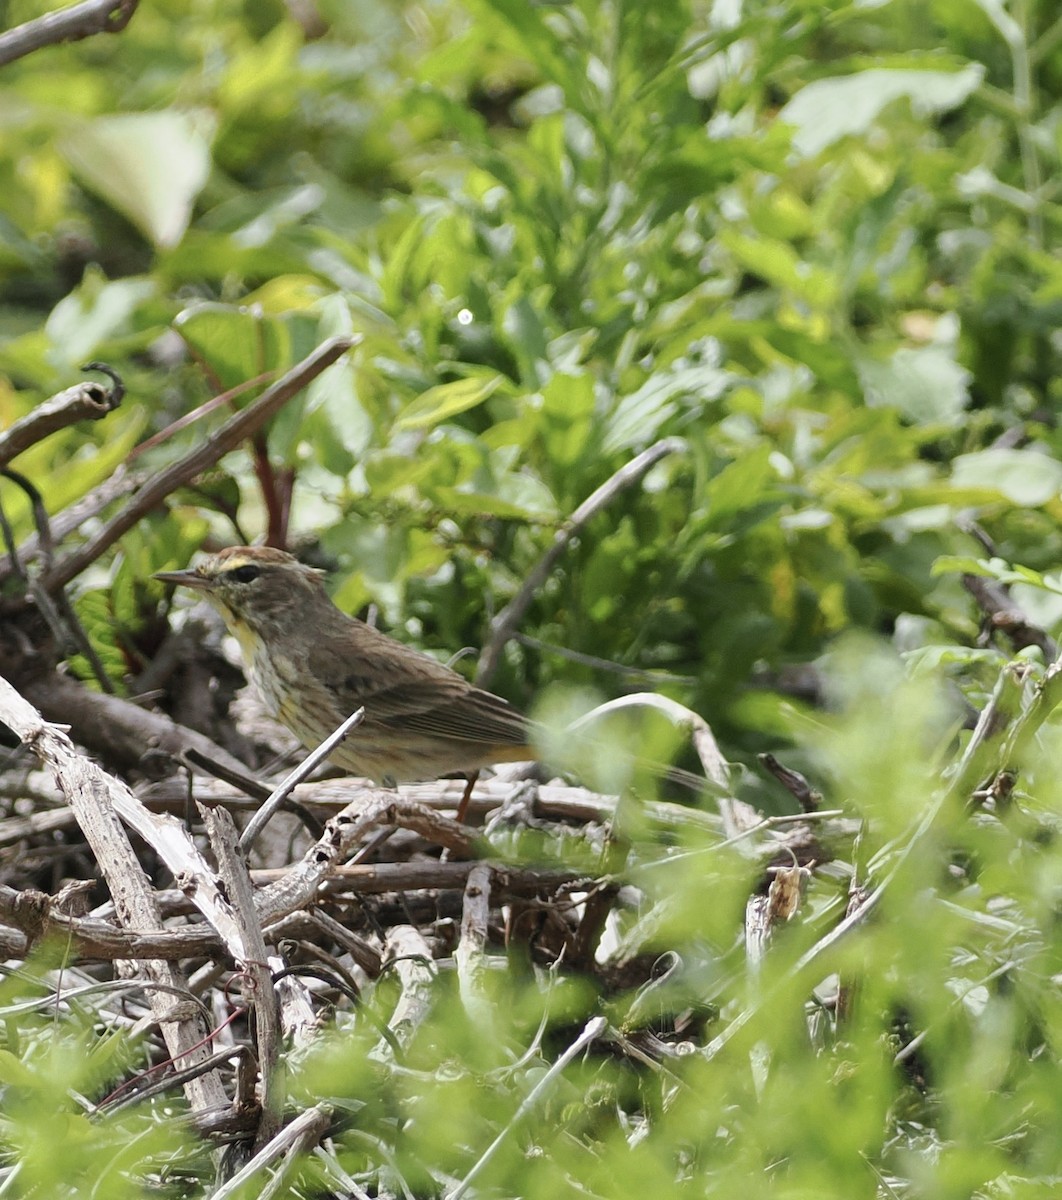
x: 313, y: 666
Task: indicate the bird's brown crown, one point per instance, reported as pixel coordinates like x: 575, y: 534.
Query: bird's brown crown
x: 259, y: 585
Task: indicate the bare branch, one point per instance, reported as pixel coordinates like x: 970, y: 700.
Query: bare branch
x: 67, y: 25
x: 121, y: 483
x: 280, y: 793
x: 118, y: 729
x: 85, y: 401
x: 471, y: 965
x: 92, y: 794
x: 505, y: 624
x: 793, y: 782
x: 413, y: 964
x: 34, y: 915
x: 256, y: 977
x: 157, y: 487
x: 298, y: 1136
x: 559, y: 801
x: 1004, y: 614
x: 372, y: 806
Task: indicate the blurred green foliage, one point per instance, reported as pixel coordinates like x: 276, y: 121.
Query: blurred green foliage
x: 817, y: 242
x: 53, y: 1070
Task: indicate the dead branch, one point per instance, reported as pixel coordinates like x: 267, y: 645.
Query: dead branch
x: 471, y: 967
x: 256, y: 978
x: 117, y: 729
x: 67, y: 25
x: 793, y: 782
x: 85, y: 401
x: 297, y: 1137
x: 34, y: 915
x: 552, y: 800
x: 121, y: 483
x: 158, y: 486
x: 508, y: 620
x: 90, y: 792
x: 1003, y: 613
x: 411, y: 959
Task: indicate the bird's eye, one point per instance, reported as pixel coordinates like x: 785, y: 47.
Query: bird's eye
x: 245, y: 574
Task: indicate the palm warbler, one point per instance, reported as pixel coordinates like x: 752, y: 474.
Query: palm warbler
x: 313, y: 666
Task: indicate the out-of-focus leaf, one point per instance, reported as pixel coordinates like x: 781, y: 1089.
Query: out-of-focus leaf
x: 829, y: 109
x: 925, y: 384
x: 568, y: 422
x: 235, y: 344
x: 333, y: 398
x: 1026, y: 477
x: 748, y: 483
x: 285, y: 294
x: 778, y: 263
x: 148, y: 166
x: 447, y: 400
x: 639, y: 417
x: 998, y: 569
x: 94, y: 313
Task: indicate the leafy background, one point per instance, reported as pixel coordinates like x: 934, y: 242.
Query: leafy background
x: 816, y: 242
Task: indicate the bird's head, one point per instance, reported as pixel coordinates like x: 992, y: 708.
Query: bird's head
x: 258, y: 587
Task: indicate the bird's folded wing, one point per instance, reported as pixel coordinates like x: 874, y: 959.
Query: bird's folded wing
x: 432, y: 700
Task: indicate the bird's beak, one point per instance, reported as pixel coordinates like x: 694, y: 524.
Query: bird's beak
x: 190, y: 579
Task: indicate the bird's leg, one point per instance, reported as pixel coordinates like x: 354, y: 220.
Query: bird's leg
x: 462, y: 808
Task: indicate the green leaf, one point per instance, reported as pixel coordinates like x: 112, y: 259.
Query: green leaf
x: 440, y: 403
x: 778, y: 263
x: 748, y: 483
x: 332, y: 398
x: 148, y: 166
x: 94, y: 312
x: 928, y: 660
x: 517, y: 498
x: 235, y: 344
x: 830, y: 109
x: 998, y: 569
x: 639, y: 417
x: 925, y: 384
x: 567, y: 418
x: 1026, y: 477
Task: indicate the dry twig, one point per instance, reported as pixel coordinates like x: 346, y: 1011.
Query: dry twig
x: 158, y: 486
x: 90, y: 793
x: 67, y: 25
x: 86, y: 401
x: 506, y: 623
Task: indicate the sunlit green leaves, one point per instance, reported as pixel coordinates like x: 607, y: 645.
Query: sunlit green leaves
x: 447, y: 400
x: 236, y: 344
x: 1026, y: 479
x: 47, y: 1064
x: 925, y: 384
x: 829, y: 109
x: 97, y: 317
x: 148, y: 166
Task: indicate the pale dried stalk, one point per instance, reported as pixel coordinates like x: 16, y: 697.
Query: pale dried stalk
x: 91, y: 794
x: 471, y: 964
x: 561, y: 801
x: 299, y: 1136
x: 416, y: 972
x: 762, y: 916
x: 256, y: 977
